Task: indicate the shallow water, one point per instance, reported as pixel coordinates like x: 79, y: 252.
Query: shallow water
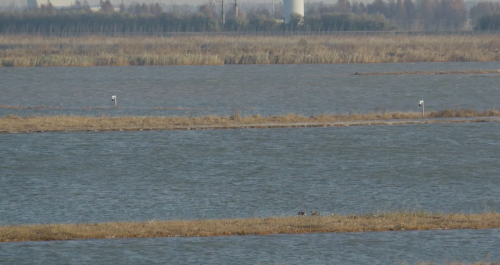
x: 353, y: 248
x: 137, y: 176
x: 253, y: 89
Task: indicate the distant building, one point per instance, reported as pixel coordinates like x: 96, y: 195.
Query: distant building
x: 34, y: 4
x: 291, y: 7
x: 98, y: 8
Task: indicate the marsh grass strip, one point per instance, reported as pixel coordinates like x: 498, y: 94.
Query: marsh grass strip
x: 15, y: 124
x: 379, y: 222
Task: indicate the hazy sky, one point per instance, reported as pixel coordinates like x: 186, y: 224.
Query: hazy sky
x: 92, y: 2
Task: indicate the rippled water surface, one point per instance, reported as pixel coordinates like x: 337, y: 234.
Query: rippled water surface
x: 262, y: 89
x: 137, y: 176
x: 354, y: 248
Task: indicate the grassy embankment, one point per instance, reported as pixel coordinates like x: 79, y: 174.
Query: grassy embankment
x: 379, y: 222
x: 14, y: 124
x: 27, y: 51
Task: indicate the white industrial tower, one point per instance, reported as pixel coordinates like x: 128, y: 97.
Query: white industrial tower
x: 236, y: 8
x: 291, y: 7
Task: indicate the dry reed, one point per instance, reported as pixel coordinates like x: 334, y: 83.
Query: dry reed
x: 12, y: 123
x: 254, y: 226
x: 27, y: 51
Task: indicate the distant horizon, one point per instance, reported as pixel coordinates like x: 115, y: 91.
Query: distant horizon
x: 19, y: 3
x: 167, y: 2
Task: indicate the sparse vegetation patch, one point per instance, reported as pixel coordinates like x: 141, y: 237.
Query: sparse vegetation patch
x: 378, y: 222
x: 13, y: 124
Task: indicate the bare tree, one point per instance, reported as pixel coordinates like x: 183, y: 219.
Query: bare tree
x: 378, y: 7
x: 106, y: 6
x: 86, y: 6
x: 205, y: 9
x: 400, y: 14
x: 425, y: 15
x: 342, y: 6
x: 78, y: 5
x: 454, y: 13
x: 411, y: 11
x: 122, y: 7
x: 155, y: 9
x: 48, y: 8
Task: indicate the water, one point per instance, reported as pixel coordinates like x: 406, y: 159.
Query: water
x: 137, y: 176
x: 354, y: 248
x: 253, y: 89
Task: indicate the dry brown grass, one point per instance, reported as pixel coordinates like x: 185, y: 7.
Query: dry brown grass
x: 13, y: 123
x: 26, y: 51
x: 435, y: 72
x: 23, y: 107
x: 254, y: 226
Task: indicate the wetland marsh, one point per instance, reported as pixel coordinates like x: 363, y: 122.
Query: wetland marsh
x: 96, y: 177
x: 29, y: 51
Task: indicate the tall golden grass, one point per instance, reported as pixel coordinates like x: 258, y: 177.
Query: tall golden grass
x: 379, y: 222
x: 13, y: 123
x: 27, y: 51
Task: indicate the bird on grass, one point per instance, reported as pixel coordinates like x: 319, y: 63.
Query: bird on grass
x: 314, y: 213
x: 301, y: 213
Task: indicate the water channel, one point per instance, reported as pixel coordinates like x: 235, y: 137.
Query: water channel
x: 253, y: 89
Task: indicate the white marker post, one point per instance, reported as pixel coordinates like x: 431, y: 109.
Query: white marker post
x: 113, y: 98
x: 421, y: 104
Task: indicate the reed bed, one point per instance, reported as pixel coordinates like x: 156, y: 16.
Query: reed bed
x: 435, y: 72
x: 379, y: 222
x: 28, y: 51
x: 12, y: 123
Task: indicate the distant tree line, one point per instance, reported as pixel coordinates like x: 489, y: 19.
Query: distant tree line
x: 380, y: 15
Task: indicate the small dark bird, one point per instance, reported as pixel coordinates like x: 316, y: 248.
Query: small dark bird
x: 301, y: 213
x: 314, y: 213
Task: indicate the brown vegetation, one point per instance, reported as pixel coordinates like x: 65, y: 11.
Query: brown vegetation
x: 12, y: 123
x: 435, y: 72
x: 255, y: 226
x: 27, y: 51
x: 27, y: 107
